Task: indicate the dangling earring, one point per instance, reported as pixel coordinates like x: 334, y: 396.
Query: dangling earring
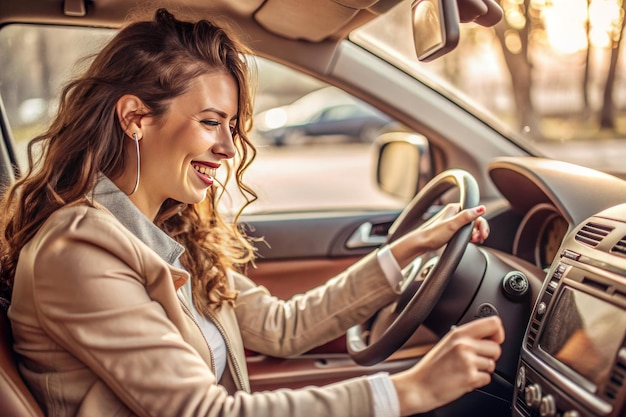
x: 136, y: 139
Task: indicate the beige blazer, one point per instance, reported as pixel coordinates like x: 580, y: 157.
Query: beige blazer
x: 101, y: 330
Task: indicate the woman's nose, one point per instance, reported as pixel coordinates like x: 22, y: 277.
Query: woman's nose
x: 225, y: 145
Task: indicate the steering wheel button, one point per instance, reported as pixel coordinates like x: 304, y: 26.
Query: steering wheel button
x: 486, y: 310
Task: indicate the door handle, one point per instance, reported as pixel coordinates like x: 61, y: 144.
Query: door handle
x: 363, y: 238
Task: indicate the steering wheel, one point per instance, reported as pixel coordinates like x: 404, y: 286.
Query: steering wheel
x: 414, y: 306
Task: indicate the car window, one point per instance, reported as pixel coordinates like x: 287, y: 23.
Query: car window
x: 304, y: 162
x: 549, y: 75
x: 36, y: 60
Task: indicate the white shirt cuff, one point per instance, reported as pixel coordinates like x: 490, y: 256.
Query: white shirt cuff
x: 386, y: 402
x: 390, y: 267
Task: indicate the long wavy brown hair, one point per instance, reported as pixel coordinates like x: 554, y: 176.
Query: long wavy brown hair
x: 154, y: 60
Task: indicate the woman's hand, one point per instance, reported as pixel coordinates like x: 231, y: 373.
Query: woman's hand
x: 462, y: 361
x: 438, y: 230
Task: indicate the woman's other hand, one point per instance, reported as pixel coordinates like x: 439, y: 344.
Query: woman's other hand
x: 462, y: 361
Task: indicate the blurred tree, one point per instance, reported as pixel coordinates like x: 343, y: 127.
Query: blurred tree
x: 607, y: 113
x: 586, y: 111
x: 514, y: 33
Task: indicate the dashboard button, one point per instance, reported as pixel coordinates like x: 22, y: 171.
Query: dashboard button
x: 547, y: 408
x: 541, y: 309
x: 532, y: 395
x: 520, y: 381
x: 515, y: 285
x: 570, y: 254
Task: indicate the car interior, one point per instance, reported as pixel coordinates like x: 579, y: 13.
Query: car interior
x: 553, y: 267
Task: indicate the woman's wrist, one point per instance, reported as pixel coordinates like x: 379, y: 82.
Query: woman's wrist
x: 409, y: 396
x: 407, y: 248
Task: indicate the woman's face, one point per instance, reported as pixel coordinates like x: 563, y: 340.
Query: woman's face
x: 181, y: 150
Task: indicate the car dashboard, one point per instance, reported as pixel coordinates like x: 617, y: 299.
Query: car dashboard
x: 572, y: 237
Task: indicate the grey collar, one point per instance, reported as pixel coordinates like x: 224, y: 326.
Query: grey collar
x: 117, y: 202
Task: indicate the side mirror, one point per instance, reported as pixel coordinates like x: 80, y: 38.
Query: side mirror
x: 403, y: 163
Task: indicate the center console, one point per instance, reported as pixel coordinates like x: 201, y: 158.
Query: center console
x: 573, y: 360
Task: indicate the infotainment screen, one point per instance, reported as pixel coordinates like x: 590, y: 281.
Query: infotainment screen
x: 584, y: 333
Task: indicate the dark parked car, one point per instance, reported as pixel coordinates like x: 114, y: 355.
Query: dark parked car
x: 328, y: 112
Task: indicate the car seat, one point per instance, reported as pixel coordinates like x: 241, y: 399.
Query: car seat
x: 15, y: 398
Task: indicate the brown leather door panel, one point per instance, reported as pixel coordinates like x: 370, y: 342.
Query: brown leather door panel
x: 287, y: 278
x: 273, y: 373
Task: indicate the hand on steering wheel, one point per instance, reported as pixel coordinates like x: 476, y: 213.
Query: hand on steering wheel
x: 441, y: 227
x: 445, y: 227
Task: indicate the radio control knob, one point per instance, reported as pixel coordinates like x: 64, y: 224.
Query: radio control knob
x: 547, y: 408
x: 532, y: 395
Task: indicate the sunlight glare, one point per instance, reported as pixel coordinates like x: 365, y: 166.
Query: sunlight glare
x: 565, y: 25
x: 275, y: 118
x: 605, y: 15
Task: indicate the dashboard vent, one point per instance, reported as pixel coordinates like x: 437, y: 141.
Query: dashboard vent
x: 592, y: 233
x: 615, y: 382
x: 620, y: 247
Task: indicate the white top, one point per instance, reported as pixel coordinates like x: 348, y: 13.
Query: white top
x: 211, y: 333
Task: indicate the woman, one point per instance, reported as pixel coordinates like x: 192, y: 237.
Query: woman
x: 110, y: 235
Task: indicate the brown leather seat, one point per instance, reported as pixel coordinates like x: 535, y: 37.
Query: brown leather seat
x: 15, y: 398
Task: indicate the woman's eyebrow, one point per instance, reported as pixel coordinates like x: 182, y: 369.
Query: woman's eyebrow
x: 220, y: 113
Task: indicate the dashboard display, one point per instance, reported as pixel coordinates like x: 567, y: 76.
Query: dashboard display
x: 551, y: 238
x: 584, y: 333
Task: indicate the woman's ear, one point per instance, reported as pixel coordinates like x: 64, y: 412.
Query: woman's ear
x: 130, y: 110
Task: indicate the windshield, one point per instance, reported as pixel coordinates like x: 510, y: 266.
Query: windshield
x: 548, y: 75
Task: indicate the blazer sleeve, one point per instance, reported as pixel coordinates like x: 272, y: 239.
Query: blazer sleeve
x: 289, y: 327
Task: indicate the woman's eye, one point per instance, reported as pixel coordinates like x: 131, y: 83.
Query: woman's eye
x: 210, y: 122
x: 233, y: 130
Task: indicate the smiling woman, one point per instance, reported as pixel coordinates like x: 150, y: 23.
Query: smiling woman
x: 120, y: 267
x: 191, y: 310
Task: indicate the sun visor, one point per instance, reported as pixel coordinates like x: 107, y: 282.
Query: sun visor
x: 313, y: 20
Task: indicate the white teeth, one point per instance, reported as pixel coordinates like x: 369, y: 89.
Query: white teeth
x: 204, y: 170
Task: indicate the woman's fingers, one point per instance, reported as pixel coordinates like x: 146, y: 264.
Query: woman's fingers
x: 480, y: 232
x: 462, y: 361
x: 489, y: 328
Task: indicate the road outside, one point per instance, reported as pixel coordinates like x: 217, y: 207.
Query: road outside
x: 316, y: 177
x: 342, y: 176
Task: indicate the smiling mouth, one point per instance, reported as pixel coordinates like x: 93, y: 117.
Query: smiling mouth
x: 202, y: 169
x: 206, y: 173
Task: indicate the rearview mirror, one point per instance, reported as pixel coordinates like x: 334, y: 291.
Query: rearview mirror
x: 436, y: 23
x: 435, y: 27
